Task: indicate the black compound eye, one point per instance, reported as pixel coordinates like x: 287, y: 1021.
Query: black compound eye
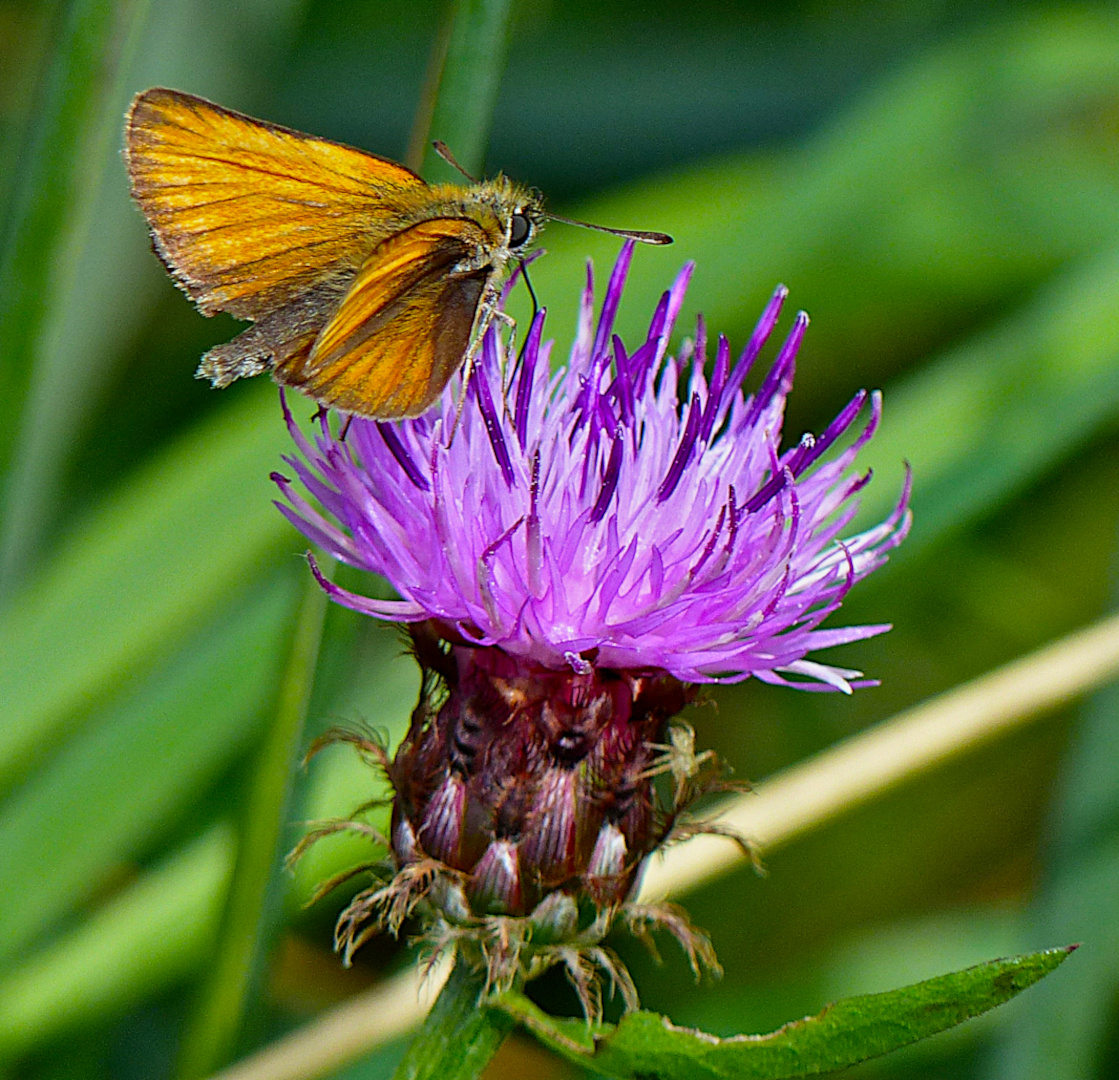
x: 519, y: 230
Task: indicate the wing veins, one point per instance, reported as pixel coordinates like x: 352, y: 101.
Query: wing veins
x: 228, y: 280
x: 288, y: 200
x: 192, y: 155
x: 278, y: 130
x: 193, y: 233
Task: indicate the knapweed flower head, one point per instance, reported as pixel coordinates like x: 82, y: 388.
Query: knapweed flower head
x: 574, y: 553
x: 624, y: 512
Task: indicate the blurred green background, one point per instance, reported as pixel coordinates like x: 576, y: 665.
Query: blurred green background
x: 938, y: 184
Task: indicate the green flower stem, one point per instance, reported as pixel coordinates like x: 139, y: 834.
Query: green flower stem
x: 462, y: 89
x: 64, y: 152
x: 253, y: 907
x: 459, y: 1037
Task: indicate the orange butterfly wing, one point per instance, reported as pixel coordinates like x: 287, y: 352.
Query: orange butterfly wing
x: 248, y: 215
x: 404, y: 326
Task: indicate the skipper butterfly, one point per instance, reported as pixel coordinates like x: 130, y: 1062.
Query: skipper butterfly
x: 367, y: 287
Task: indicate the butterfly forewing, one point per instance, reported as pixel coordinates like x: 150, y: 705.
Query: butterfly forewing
x: 403, y: 327
x: 248, y: 215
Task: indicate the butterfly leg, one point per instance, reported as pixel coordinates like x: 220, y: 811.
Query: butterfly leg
x: 489, y: 310
x: 511, y: 324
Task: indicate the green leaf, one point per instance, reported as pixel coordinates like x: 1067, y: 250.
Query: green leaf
x: 254, y: 908
x: 1063, y: 1032
x: 64, y: 150
x: 148, y: 566
x: 850, y: 1031
x: 160, y: 744
x: 983, y: 421
x: 154, y: 932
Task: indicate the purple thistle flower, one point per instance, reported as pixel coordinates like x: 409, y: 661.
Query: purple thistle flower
x: 623, y: 512
x: 575, y: 552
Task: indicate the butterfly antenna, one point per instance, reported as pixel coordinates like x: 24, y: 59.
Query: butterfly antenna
x: 629, y: 234
x: 531, y: 290
x: 444, y: 151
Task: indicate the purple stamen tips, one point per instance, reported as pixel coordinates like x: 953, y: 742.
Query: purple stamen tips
x: 609, y: 481
x: 319, y: 576
x: 622, y: 388
x: 529, y: 356
x: 489, y: 413
x: 591, y: 516
x: 534, y: 555
x: 403, y: 458
x: 713, y: 407
x: 683, y: 452
x: 613, y: 297
x: 759, y: 337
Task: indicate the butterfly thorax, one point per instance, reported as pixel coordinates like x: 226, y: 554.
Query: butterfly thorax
x: 510, y: 215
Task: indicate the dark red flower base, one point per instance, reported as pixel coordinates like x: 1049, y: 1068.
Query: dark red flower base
x: 525, y: 803
x: 526, y: 781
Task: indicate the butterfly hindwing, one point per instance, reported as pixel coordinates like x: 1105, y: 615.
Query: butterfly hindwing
x: 248, y: 215
x: 404, y: 326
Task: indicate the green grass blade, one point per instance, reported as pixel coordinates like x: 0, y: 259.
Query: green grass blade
x: 71, y: 828
x: 897, y: 223
x: 467, y: 77
x: 338, y: 781
x: 64, y: 151
x: 146, y: 568
x: 996, y: 413
x: 154, y: 932
x: 1063, y: 1033
x: 254, y: 904
x: 853, y: 1030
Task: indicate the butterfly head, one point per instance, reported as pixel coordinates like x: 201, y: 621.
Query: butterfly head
x: 518, y: 209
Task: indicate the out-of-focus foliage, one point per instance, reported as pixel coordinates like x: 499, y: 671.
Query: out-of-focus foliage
x: 938, y: 186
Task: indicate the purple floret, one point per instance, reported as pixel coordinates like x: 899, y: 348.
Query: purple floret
x: 621, y: 512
